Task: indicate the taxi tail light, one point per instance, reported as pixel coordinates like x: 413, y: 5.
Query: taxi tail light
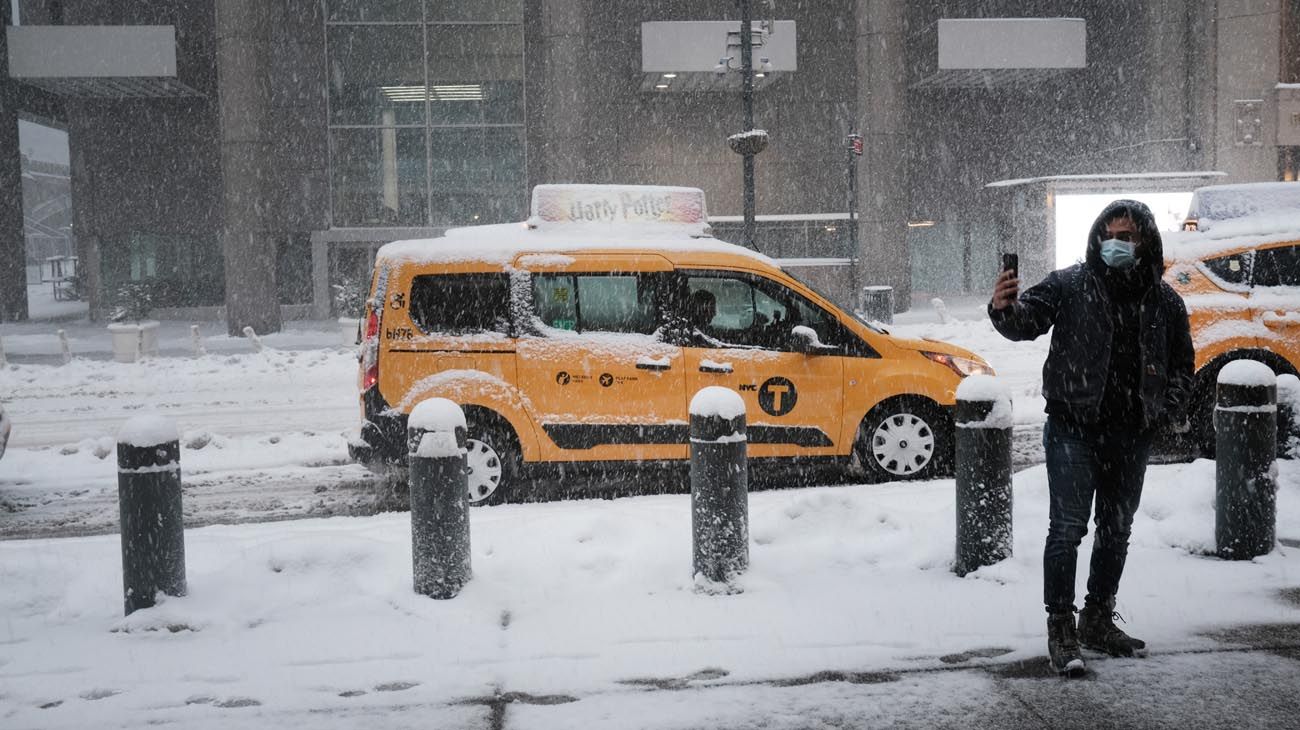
x: 370, y: 352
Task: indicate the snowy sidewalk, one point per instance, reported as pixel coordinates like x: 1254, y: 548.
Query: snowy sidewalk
x: 583, y: 614
x: 38, y: 342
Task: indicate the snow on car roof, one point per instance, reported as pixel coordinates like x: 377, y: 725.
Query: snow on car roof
x: 573, y: 218
x: 1231, y: 235
x: 501, y: 243
x: 1213, y: 204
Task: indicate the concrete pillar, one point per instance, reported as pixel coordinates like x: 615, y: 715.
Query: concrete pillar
x: 248, y: 236
x: 1248, y: 38
x: 883, y: 177
x: 13, y: 273
x: 84, y: 228
x: 558, y: 95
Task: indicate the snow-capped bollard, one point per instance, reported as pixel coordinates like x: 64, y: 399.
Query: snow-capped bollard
x: 251, y: 334
x: 64, y: 347
x: 1288, y: 417
x: 439, y: 498
x: 719, y: 489
x: 941, y: 309
x: 1245, y: 420
x: 149, y: 500
x: 983, y: 454
x: 196, y: 341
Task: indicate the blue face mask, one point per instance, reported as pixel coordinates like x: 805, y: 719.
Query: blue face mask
x: 1118, y: 254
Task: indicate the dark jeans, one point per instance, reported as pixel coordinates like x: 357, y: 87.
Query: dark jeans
x: 1083, y: 460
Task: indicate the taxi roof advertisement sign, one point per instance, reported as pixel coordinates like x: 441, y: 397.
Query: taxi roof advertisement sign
x: 618, y: 205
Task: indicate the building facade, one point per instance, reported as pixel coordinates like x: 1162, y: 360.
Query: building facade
x: 247, y: 158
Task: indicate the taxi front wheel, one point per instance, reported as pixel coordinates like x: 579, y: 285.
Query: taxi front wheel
x: 491, y: 462
x: 904, y: 439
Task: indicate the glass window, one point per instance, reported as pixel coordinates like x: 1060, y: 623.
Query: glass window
x: 461, y: 304
x: 457, y: 83
x: 596, y: 302
x: 615, y: 303
x: 555, y: 297
x: 737, y: 311
x: 476, y: 74
x: 378, y: 177
x: 1232, y: 269
x: 178, y: 270
x: 445, y: 10
x: 1278, y: 266
x: 477, y: 175
x: 376, y: 74
x: 374, y: 10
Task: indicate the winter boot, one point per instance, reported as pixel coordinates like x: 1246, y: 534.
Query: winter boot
x: 1097, y: 631
x: 1063, y: 645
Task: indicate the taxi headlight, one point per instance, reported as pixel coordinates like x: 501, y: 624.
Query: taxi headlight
x: 963, y: 366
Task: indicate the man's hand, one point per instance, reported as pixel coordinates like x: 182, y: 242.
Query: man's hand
x: 1005, y: 290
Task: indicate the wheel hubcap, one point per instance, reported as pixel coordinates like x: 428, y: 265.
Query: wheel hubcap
x: 483, y: 468
x: 903, y: 444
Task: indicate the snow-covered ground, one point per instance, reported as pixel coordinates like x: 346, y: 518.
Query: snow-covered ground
x: 578, y: 612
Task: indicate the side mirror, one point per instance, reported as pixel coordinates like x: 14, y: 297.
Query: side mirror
x: 805, y: 340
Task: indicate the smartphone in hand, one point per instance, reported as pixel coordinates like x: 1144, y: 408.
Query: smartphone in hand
x: 1011, y: 262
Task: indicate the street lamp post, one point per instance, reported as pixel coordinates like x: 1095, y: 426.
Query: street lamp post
x: 747, y: 94
x: 751, y: 141
x: 855, y: 151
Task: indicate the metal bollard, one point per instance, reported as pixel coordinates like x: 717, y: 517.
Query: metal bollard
x: 983, y: 453
x: 439, y: 498
x: 149, y: 499
x: 1245, y: 420
x: 1288, y: 417
x: 719, y: 489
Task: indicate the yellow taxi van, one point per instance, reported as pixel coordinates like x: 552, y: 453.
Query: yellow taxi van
x: 580, y: 336
x: 1238, y: 271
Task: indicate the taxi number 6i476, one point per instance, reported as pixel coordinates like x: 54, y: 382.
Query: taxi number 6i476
x: 399, y: 333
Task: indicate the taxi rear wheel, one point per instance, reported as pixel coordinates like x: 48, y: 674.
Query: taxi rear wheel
x: 492, y: 461
x: 904, y: 439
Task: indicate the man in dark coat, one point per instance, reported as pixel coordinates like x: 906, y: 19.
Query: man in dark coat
x: 1119, y: 368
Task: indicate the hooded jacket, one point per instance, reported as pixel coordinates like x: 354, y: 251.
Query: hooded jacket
x: 1075, y: 304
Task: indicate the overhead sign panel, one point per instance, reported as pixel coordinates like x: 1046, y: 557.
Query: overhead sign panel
x: 1012, y: 43
x: 704, y: 55
x: 91, y: 51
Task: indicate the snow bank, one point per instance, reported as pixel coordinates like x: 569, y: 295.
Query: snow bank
x: 148, y: 429
x: 716, y: 400
x: 1247, y: 372
x: 436, y: 414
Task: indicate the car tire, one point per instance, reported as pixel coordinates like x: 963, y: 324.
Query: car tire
x: 905, y: 439
x: 492, y: 461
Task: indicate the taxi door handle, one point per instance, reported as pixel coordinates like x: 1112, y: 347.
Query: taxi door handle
x: 652, y: 365
x: 717, y: 367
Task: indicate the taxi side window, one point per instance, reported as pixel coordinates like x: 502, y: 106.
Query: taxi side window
x: 734, y: 311
x: 1278, y: 266
x: 460, y: 304
x: 596, y: 302
x: 1231, y: 269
